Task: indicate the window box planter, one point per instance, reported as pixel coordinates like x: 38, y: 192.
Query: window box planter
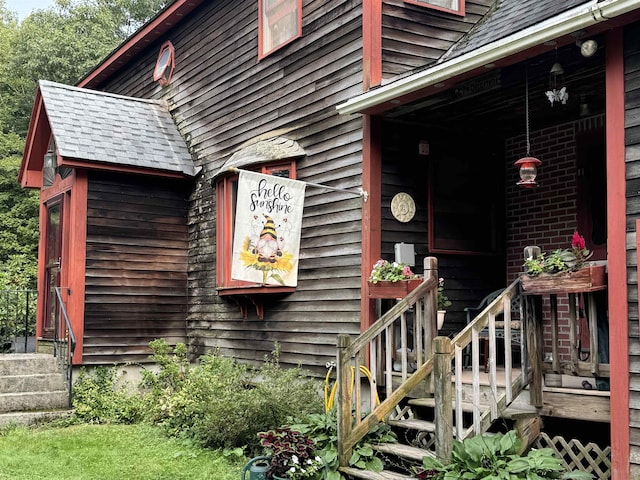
x: 387, y: 289
x: 589, y: 278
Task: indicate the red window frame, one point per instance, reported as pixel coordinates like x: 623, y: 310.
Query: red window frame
x: 165, y: 64
x: 226, y: 190
x: 428, y: 4
x: 274, y: 13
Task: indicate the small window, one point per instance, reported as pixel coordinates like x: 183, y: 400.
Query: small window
x: 452, y: 6
x: 226, y: 190
x: 165, y: 64
x: 280, y: 22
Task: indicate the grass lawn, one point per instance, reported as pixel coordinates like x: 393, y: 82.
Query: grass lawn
x: 105, y: 452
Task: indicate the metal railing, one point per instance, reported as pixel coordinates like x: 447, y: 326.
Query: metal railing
x: 17, y: 320
x: 64, y: 341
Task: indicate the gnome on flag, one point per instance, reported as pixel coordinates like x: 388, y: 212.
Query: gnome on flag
x: 266, y: 240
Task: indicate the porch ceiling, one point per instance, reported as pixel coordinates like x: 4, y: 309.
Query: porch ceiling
x: 495, y: 101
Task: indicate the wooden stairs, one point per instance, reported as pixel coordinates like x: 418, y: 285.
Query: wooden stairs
x: 445, y: 395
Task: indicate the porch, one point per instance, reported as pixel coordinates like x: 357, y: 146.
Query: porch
x: 430, y: 394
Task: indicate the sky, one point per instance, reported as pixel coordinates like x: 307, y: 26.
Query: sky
x: 25, y: 7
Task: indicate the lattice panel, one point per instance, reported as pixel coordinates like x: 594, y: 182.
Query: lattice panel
x: 575, y: 456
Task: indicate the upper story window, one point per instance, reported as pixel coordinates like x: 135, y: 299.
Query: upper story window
x: 280, y: 22
x: 452, y: 6
x: 165, y: 64
x: 226, y: 200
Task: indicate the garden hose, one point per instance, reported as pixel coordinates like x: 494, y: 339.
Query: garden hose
x: 329, y: 397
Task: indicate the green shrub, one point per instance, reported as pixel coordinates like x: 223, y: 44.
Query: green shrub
x: 102, y: 396
x: 220, y: 403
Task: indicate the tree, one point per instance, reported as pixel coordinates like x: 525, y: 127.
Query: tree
x: 61, y: 43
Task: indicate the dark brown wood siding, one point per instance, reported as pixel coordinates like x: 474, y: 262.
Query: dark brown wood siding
x: 632, y: 141
x: 136, y: 267
x: 414, y: 36
x: 221, y: 97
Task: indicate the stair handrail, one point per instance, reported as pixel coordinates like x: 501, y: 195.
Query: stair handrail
x: 70, y: 339
x: 368, y: 347
x: 450, y: 352
x: 513, y: 385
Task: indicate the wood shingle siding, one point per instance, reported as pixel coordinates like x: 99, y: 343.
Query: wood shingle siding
x: 632, y: 143
x: 136, y: 267
x: 221, y: 96
x: 414, y: 36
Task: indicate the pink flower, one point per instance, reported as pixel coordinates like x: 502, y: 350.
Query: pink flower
x: 406, y: 271
x: 577, y: 241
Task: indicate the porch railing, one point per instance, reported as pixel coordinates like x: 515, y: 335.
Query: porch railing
x: 17, y: 320
x: 64, y: 341
x: 440, y: 356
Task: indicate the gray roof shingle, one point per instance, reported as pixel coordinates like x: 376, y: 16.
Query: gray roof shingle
x: 507, y: 17
x: 103, y: 127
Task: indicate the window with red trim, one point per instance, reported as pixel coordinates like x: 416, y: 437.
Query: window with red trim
x: 165, y: 64
x: 226, y: 191
x: 279, y: 22
x: 452, y: 6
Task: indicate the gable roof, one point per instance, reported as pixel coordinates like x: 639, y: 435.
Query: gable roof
x: 512, y: 29
x: 99, y: 127
x: 507, y: 17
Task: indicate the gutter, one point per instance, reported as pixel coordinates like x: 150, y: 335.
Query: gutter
x: 567, y: 22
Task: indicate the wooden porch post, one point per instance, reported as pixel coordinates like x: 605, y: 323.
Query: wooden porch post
x: 443, y: 349
x: 533, y: 328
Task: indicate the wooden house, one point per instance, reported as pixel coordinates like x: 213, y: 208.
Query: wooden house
x: 433, y: 99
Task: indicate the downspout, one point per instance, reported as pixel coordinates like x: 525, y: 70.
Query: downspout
x: 568, y: 22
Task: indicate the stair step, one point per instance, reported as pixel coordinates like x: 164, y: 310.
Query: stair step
x: 511, y: 412
x: 413, y: 424
x: 45, y: 382
x: 32, y: 418
x: 27, y: 363
x: 368, y: 475
x: 404, y: 451
x: 31, y: 401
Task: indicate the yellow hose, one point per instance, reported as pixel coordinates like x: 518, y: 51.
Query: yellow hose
x: 329, y: 398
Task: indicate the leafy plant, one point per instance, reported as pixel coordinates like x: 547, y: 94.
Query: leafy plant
x: 443, y: 300
x: 322, y: 428
x: 496, y: 457
x: 390, y: 272
x: 289, y: 450
x: 560, y: 260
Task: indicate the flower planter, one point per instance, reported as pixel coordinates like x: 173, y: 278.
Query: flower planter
x: 385, y: 289
x: 441, y: 314
x: 588, y: 278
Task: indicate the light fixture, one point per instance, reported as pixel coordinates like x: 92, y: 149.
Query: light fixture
x: 557, y: 91
x: 588, y: 48
x: 527, y: 165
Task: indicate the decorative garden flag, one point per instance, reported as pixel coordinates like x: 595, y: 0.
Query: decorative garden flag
x: 266, y: 241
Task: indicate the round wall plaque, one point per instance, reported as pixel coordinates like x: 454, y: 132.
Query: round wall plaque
x: 403, y: 207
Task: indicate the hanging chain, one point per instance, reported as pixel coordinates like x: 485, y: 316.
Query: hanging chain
x: 526, y: 103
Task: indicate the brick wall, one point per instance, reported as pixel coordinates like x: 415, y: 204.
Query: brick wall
x: 545, y: 216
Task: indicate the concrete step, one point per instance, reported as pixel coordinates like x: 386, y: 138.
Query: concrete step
x: 31, y: 401
x: 27, y: 364
x: 32, y: 418
x: 45, y: 382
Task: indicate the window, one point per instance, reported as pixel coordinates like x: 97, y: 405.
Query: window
x: 165, y: 64
x: 452, y: 6
x: 280, y: 22
x: 226, y: 190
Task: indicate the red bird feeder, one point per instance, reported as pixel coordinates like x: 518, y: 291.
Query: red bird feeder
x: 528, y: 171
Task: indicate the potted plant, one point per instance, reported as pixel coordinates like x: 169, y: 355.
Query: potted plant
x: 563, y: 270
x: 291, y: 455
x: 443, y: 303
x: 391, y: 280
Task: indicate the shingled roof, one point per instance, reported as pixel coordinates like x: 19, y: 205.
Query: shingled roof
x: 507, y: 17
x: 113, y: 129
